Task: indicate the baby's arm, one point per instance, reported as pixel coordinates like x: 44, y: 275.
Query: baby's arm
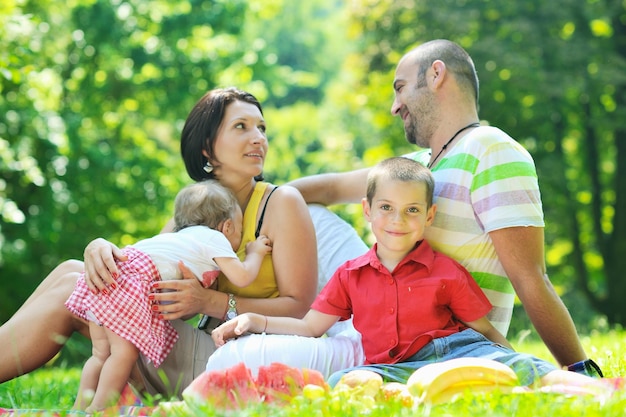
x: 313, y: 324
x: 243, y: 273
x: 485, y: 327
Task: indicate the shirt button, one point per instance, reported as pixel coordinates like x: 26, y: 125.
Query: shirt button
x: 391, y: 310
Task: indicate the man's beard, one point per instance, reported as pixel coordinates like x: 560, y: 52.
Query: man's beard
x: 412, y: 136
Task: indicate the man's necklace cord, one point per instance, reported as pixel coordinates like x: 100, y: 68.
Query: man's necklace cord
x: 475, y: 124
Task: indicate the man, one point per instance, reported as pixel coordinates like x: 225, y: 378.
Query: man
x: 490, y: 217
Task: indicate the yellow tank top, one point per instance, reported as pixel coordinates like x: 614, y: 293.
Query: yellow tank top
x: 264, y: 286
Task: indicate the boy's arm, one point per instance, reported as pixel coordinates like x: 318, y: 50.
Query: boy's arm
x: 243, y: 273
x: 313, y: 324
x: 485, y: 327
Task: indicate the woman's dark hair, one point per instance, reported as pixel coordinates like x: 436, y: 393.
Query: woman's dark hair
x: 201, y: 126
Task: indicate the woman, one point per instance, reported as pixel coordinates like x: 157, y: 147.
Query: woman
x: 223, y: 138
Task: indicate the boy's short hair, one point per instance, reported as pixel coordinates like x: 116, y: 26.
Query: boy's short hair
x: 206, y: 203
x: 400, y: 169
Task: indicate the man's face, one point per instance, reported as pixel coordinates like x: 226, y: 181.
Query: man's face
x: 414, y: 102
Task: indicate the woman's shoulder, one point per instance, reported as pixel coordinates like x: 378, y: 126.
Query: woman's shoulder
x: 285, y: 203
x: 285, y: 194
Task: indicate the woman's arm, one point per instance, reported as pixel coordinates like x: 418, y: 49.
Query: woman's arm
x: 289, y: 227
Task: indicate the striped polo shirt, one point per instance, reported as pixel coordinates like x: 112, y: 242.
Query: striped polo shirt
x: 486, y: 182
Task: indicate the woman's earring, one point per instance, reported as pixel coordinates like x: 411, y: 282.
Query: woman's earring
x: 208, y: 167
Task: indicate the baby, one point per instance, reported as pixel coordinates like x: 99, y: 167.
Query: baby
x: 208, y: 230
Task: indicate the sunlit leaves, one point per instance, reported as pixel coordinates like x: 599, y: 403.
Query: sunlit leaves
x: 568, y: 30
x: 601, y: 28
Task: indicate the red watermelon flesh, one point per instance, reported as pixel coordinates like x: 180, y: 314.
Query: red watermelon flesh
x: 279, y: 382
x: 314, y: 377
x: 235, y: 387
x: 229, y: 388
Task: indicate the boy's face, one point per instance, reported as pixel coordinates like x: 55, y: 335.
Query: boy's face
x: 398, y: 215
x: 233, y: 233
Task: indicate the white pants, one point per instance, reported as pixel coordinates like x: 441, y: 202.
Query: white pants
x: 336, y: 243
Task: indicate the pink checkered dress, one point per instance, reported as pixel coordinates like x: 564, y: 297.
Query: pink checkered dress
x: 126, y: 309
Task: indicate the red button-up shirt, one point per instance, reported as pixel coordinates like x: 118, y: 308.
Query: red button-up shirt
x: 397, y: 313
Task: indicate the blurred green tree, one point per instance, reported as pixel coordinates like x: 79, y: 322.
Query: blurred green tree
x: 94, y: 94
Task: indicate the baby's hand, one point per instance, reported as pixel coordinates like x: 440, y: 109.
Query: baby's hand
x: 262, y: 245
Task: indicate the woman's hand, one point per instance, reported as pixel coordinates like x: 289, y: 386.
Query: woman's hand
x: 100, y: 268
x: 182, y: 298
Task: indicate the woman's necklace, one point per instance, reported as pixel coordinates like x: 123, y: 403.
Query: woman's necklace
x: 475, y: 124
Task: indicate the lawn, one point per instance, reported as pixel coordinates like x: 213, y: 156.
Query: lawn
x: 54, y: 387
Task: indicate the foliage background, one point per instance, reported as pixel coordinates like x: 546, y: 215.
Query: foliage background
x: 94, y: 94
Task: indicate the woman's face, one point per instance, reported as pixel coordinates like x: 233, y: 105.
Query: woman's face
x: 241, y: 143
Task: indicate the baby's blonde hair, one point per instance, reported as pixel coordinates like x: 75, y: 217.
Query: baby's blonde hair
x: 206, y: 203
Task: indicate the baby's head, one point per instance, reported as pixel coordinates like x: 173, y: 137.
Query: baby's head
x: 400, y: 169
x: 209, y: 203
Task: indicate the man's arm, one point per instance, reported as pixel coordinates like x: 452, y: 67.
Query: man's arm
x: 521, y: 251
x: 333, y: 188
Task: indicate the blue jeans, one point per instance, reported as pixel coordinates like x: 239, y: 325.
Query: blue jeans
x: 468, y: 343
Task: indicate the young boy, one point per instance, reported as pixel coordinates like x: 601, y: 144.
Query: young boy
x: 412, y: 305
x: 208, y: 232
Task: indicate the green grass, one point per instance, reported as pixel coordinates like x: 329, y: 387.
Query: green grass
x: 54, y: 388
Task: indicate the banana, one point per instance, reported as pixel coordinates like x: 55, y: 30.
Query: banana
x: 456, y: 391
x: 428, y: 382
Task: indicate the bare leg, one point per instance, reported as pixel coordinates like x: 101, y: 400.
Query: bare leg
x: 100, y: 351
x: 115, y: 372
x: 38, y: 330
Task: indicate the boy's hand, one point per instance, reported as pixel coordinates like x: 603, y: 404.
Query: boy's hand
x: 231, y: 329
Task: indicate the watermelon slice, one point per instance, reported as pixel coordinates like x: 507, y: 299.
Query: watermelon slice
x: 314, y: 377
x: 235, y: 387
x: 229, y: 388
x: 279, y: 382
